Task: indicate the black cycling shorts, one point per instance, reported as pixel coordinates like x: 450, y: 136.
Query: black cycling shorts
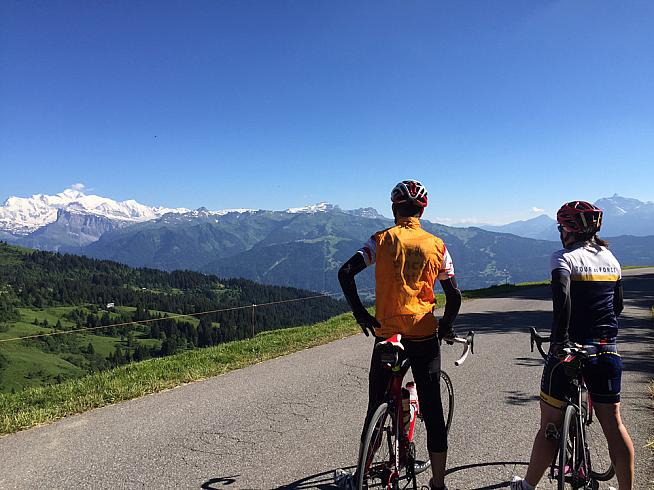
x: 602, y: 374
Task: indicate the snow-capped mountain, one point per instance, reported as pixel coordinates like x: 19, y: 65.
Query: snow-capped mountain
x: 622, y: 216
x: 626, y: 216
x: 371, y: 213
x: 321, y: 207
x: 21, y: 216
x: 619, y: 206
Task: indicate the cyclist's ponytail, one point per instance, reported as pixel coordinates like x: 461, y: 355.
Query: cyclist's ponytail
x: 600, y: 242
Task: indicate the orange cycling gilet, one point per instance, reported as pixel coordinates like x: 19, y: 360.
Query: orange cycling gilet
x: 408, y: 261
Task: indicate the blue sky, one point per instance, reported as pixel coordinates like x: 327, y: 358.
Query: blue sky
x: 498, y: 107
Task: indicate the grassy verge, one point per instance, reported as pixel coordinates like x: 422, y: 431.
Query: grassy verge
x: 637, y: 266
x: 34, y: 406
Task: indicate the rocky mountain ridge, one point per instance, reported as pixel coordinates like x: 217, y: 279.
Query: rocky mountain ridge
x: 20, y: 216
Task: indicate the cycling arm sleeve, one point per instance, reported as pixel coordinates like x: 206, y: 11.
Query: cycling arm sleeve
x: 452, y: 300
x: 346, y: 278
x: 618, y: 298
x: 561, y: 305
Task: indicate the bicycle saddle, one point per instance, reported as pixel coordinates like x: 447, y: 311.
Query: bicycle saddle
x: 394, y: 342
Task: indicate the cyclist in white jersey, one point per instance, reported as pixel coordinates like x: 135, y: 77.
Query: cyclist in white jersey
x: 587, y: 299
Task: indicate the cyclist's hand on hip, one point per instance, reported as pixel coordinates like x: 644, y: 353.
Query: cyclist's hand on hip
x: 367, y: 322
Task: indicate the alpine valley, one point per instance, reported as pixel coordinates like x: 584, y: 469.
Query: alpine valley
x: 301, y: 247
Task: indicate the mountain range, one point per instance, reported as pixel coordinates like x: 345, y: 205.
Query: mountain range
x: 300, y: 247
x: 622, y: 216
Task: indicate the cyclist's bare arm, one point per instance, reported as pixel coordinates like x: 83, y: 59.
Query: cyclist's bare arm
x: 346, y: 274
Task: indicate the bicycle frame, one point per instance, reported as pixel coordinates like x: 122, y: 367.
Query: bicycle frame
x: 394, y: 399
x: 577, y: 469
x: 402, y: 454
x: 393, y: 396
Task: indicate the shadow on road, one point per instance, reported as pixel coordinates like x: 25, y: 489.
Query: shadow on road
x: 325, y: 480
x: 502, y: 484
x: 504, y: 322
x: 520, y: 397
x: 635, y: 337
x: 320, y: 481
x: 217, y: 483
x: 528, y: 361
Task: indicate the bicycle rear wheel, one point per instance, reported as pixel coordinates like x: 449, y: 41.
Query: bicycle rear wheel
x: 573, y: 459
x: 377, y: 465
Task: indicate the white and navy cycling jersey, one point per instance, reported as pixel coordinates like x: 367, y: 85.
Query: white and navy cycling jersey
x: 594, y: 273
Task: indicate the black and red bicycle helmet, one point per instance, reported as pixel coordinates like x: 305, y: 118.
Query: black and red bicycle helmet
x: 410, y: 191
x: 580, y: 217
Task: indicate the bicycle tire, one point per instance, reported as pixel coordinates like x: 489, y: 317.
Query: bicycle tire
x: 572, y: 462
x: 447, y: 400
x: 421, y: 453
x: 376, y: 465
x: 566, y: 452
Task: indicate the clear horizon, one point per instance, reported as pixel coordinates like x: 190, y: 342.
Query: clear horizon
x: 501, y: 109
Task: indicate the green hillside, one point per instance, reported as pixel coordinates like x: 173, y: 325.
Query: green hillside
x: 126, y: 314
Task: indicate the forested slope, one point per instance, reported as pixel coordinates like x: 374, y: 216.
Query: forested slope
x: 43, y: 293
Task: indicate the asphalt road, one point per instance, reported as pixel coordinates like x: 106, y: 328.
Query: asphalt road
x: 289, y: 422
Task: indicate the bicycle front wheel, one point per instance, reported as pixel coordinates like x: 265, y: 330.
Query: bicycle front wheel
x: 419, y: 443
x: 447, y: 399
x: 377, y: 466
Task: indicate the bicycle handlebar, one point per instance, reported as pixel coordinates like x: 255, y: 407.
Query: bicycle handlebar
x: 395, y: 343
x: 538, y: 340
x: 468, y: 346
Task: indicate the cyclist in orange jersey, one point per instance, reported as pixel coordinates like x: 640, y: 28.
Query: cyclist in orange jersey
x: 408, y: 262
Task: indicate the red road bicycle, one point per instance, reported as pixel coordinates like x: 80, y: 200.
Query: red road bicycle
x: 576, y: 464
x: 394, y: 449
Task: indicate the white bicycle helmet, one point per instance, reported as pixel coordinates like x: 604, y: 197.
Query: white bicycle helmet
x: 410, y: 191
